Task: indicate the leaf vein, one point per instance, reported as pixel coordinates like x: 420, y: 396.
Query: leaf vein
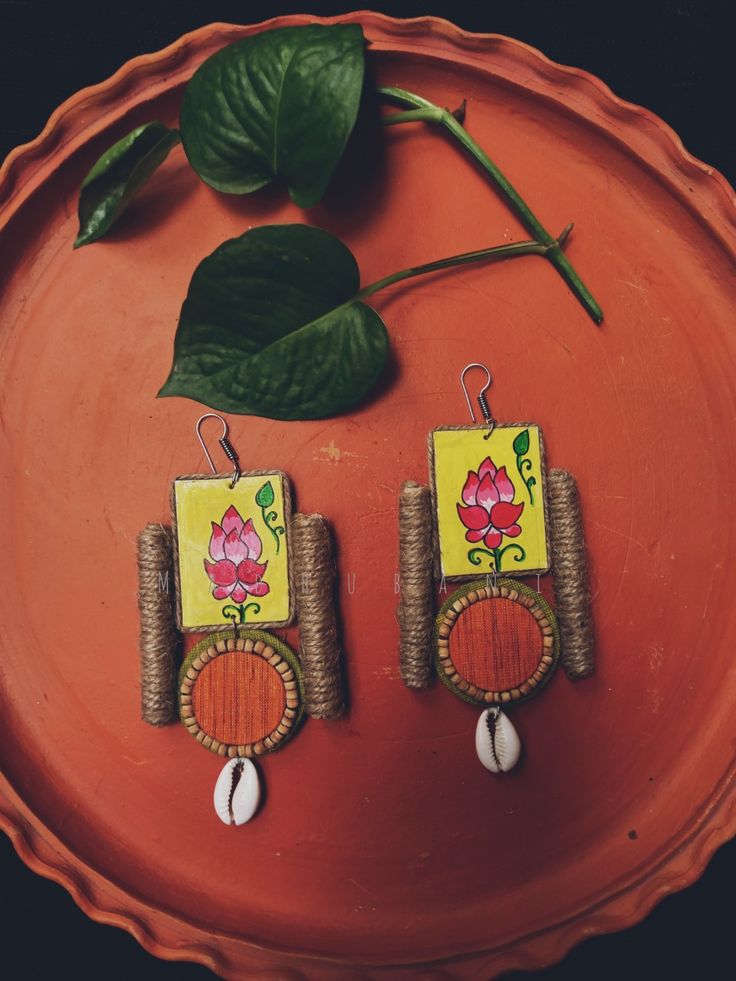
x: 277, y: 107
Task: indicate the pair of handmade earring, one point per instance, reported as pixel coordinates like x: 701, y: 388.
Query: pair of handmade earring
x: 237, y: 553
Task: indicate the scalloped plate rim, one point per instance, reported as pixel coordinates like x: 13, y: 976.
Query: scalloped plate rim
x: 687, y: 856
x: 713, y: 182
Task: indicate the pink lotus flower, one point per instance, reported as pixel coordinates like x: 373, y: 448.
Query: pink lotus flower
x: 235, y: 548
x: 490, y: 513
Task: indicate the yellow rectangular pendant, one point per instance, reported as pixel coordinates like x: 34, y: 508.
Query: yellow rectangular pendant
x: 489, y: 500
x: 232, y: 550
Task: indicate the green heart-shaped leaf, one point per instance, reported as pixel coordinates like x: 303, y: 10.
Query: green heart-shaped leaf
x: 273, y: 326
x: 282, y: 102
x: 264, y: 497
x: 521, y: 443
x: 110, y: 186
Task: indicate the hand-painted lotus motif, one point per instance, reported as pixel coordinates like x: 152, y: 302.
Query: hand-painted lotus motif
x: 235, y: 548
x: 489, y: 513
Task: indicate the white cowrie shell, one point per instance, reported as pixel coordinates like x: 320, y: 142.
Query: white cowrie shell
x: 237, y: 791
x: 497, y: 742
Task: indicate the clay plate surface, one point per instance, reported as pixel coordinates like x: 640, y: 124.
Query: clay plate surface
x: 383, y: 848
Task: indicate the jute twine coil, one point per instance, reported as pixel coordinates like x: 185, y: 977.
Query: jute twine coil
x: 416, y: 577
x: 159, y: 638
x: 319, y: 650
x: 570, y: 562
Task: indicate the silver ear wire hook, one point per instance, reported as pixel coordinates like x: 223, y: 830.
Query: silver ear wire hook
x: 481, y: 397
x: 227, y: 446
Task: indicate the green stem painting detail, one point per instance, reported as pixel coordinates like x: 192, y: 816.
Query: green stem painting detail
x: 239, y: 613
x: 264, y: 500
x: 475, y: 555
x: 523, y: 463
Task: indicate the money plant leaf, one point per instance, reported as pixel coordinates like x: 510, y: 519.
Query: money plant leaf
x: 280, y: 103
x: 273, y: 325
x: 115, y: 179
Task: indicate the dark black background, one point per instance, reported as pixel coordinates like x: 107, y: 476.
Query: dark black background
x: 675, y: 58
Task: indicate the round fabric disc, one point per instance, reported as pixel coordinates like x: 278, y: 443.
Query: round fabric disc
x: 241, y: 696
x: 496, y: 644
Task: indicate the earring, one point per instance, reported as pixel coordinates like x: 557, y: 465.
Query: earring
x: 228, y: 569
x: 490, y: 515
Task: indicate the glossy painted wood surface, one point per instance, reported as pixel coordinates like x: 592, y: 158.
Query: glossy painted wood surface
x: 380, y: 833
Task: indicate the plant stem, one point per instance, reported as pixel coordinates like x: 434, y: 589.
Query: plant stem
x: 420, y: 110
x: 493, y: 254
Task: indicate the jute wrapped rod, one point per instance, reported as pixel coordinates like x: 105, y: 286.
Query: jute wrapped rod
x: 416, y: 606
x: 159, y: 637
x: 319, y: 650
x: 570, y: 566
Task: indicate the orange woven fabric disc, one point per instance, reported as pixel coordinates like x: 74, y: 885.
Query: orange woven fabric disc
x: 238, y: 698
x: 496, y: 644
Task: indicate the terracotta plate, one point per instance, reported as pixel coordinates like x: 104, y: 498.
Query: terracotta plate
x: 382, y: 842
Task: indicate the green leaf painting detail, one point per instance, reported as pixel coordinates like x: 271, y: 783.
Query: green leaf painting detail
x: 264, y: 500
x: 265, y: 496
x: 281, y: 103
x: 523, y: 464
x: 118, y: 175
x: 521, y: 443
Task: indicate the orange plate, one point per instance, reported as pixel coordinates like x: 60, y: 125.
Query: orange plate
x: 383, y: 841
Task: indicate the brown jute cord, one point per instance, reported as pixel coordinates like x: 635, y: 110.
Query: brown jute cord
x: 416, y: 578
x: 319, y: 650
x: 570, y: 564
x: 159, y: 638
